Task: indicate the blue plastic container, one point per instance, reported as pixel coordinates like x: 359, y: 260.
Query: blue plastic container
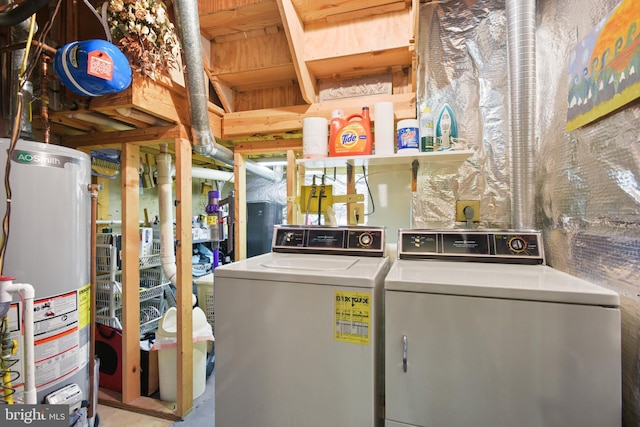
x: 92, y: 67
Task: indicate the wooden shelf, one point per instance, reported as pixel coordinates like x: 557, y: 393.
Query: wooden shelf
x: 439, y: 157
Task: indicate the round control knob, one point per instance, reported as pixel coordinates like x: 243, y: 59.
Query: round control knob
x: 365, y: 239
x: 517, y: 244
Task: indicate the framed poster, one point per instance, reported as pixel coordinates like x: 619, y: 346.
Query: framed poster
x: 604, y: 67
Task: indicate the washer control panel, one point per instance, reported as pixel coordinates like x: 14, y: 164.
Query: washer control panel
x: 507, y: 246
x: 367, y: 241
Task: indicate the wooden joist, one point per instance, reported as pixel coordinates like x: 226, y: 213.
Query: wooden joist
x: 286, y: 119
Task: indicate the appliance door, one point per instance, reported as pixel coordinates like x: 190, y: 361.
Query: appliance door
x: 488, y: 362
x: 278, y: 363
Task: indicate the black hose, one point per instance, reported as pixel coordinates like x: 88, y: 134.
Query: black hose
x: 21, y: 12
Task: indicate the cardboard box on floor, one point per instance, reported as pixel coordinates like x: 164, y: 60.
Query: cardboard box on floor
x: 149, y: 371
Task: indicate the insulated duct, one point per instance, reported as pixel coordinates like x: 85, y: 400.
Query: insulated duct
x: 521, y: 24
x: 203, y: 140
x: 20, y: 12
x: 20, y: 34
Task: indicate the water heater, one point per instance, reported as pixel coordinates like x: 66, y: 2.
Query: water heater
x: 49, y: 248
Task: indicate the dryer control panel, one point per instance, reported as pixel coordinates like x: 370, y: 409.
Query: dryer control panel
x: 506, y: 246
x: 362, y: 241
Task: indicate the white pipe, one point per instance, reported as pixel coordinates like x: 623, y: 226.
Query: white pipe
x: 112, y: 221
x: 167, y: 249
x: 7, y: 287
x: 213, y: 174
x: 102, y: 121
x: 204, y: 173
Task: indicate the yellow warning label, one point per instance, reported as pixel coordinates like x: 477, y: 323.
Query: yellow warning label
x: 352, y: 317
x: 84, y: 306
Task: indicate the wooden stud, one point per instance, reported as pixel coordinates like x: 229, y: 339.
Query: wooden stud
x: 129, y: 163
x: 292, y: 187
x: 240, y: 190
x: 351, y: 189
x: 294, y: 28
x: 184, y: 277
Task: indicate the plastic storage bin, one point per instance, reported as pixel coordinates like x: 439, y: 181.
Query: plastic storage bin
x: 166, y: 343
x: 206, y: 302
x: 205, y: 295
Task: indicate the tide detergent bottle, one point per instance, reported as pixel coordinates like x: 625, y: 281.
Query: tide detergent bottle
x: 350, y: 136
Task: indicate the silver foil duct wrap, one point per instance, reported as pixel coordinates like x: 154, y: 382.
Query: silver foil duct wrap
x: 588, y: 179
x: 463, y: 62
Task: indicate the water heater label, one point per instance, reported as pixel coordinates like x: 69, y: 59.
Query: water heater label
x: 40, y: 158
x: 352, y: 317
x: 57, y: 340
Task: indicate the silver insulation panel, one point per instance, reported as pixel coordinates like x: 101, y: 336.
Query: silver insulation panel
x: 587, y: 192
x: 463, y: 62
x: 588, y: 179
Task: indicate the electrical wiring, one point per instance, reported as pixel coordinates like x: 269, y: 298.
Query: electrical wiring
x: 311, y: 194
x: 373, y: 205
x: 101, y: 18
x: 42, y: 35
x: 8, y: 375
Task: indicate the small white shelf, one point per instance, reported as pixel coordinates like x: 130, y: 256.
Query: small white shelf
x: 431, y: 157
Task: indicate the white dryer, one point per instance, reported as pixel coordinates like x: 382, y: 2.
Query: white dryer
x: 502, y: 343
x: 298, y: 331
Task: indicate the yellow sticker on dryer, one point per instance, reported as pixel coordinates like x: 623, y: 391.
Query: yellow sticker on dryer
x: 352, y: 317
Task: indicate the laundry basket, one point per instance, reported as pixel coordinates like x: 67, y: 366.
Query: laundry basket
x: 204, y: 292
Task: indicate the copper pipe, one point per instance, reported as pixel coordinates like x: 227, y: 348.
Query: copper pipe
x: 18, y: 46
x: 93, y: 189
x: 44, y: 98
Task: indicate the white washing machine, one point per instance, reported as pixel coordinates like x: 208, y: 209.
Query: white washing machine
x: 502, y: 343
x: 298, y: 335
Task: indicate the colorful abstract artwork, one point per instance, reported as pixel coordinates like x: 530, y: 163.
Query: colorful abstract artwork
x: 605, y: 67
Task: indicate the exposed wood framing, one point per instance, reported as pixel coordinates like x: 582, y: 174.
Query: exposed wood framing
x: 222, y: 90
x: 292, y: 187
x: 240, y: 189
x: 184, y: 277
x: 130, y: 162
x: 147, y: 136
x: 287, y: 119
x: 269, y: 146
x: 351, y: 189
x: 294, y: 29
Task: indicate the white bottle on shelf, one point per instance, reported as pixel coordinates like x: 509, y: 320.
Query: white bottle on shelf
x: 427, y: 130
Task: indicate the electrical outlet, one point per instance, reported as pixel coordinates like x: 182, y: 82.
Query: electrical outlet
x: 356, y: 216
x: 461, y: 204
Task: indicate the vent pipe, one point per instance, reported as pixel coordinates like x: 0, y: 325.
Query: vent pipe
x: 521, y: 43
x: 203, y: 140
x: 19, y: 33
x: 19, y: 12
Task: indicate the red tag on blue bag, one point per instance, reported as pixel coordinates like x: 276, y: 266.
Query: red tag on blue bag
x: 100, y: 65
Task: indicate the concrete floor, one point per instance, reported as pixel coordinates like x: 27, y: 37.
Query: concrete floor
x: 202, y: 415
x: 204, y: 408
